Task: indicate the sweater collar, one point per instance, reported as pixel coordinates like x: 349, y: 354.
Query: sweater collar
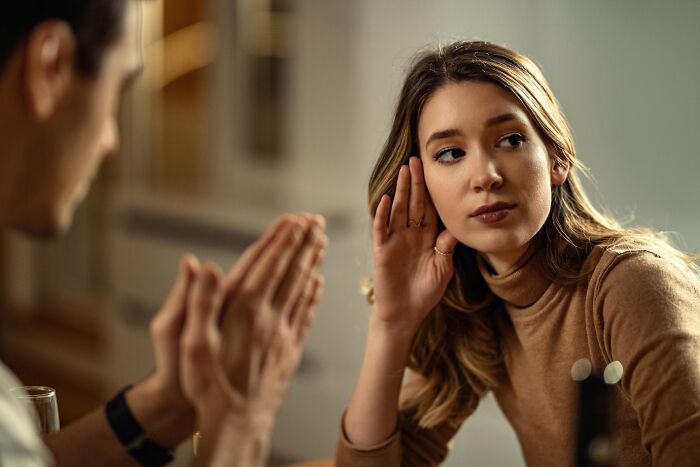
x: 521, y: 285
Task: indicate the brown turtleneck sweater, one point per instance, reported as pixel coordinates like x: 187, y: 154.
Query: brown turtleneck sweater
x: 637, y: 309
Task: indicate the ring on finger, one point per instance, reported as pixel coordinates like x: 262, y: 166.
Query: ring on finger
x: 415, y: 223
x: 443, y: 253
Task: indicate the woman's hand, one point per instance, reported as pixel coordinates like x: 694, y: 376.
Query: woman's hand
x: 412, y: 263
x: 410, y: 277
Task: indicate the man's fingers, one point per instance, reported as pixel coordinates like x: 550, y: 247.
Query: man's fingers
x: 294, y: 299
x: 176, y: 297
x: 320, y: 221
x: 204, y: 303
x: 305, y: 263
x: 200, y: 343
x: 266, y: 274
x: 252, y: 312
x: 242, y: 266
x: 244, y: 263
x: 245, y: 326
x: 303, y: 316
x: 168, y: 322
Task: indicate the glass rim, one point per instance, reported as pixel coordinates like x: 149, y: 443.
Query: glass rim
x: 32, y: 392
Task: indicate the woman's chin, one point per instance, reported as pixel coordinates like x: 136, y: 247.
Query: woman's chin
x: 497, y: 245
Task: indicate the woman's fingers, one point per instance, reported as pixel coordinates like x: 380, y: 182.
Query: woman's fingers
x: 399, y: 209
x: 445, y: 247
x: 430, y: 217
x: 381, y: 220
x: 416, y: 205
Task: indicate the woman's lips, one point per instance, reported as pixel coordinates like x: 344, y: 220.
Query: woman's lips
x: 492, y: 217
x: 491, y: 213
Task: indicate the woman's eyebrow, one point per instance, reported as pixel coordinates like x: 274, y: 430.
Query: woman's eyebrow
x: 442, y: 134
x: 493, y: 121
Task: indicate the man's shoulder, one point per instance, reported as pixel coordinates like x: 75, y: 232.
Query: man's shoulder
x: 20, y: 444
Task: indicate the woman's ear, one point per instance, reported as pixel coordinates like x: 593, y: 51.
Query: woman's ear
x: 49, y: 66
x: 559, y: 172
x: 558, y: 167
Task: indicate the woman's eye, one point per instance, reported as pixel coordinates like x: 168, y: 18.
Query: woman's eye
x: 449, y: 155
x: 512, y: 141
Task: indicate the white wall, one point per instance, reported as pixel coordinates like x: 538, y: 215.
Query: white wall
x: 627, y: 74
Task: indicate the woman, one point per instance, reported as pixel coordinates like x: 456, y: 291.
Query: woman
x: 503, y: 277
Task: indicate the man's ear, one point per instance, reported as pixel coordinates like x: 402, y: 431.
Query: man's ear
x: 49, y: 67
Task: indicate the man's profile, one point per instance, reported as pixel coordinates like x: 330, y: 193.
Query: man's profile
x: 225, y: 345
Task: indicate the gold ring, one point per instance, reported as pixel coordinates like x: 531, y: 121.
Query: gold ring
x: 442, y: 253
x: 415, y: 223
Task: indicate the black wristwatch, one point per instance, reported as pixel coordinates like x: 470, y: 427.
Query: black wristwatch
x: 132, y: 435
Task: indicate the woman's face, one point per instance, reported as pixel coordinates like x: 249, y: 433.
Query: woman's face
x: 487, y: 169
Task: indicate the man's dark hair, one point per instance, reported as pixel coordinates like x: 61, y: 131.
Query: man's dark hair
x: 95, y: 24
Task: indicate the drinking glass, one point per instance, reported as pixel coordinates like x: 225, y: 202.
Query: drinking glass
x: 42, y: 402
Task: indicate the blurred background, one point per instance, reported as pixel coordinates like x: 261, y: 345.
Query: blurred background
x: 251, y: 108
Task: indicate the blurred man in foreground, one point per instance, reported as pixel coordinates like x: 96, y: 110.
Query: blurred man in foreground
x: 226, y: 346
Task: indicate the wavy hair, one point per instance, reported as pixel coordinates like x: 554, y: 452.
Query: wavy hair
x: 456, y: 348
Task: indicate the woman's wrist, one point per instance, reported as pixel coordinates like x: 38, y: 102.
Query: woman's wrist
x: 388, y: 347
x: 372, y: 414
x: 399, y: 333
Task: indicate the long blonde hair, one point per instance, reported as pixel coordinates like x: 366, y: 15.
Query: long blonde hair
x: 456, y: 348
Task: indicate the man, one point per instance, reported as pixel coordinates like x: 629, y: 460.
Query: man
x: 225, y: 347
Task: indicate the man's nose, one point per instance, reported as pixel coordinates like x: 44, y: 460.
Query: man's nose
x: 110, y: 138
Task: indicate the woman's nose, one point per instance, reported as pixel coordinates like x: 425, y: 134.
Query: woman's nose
x: 485, y: 174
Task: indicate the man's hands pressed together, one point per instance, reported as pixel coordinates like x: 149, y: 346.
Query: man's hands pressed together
x: 226, y: 348
x: 244, y: 335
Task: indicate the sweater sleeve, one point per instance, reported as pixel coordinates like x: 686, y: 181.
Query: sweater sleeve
x: 649, y: 312
x: 409, y: 445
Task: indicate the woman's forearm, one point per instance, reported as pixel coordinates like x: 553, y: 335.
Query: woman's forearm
x: 372, y: 414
